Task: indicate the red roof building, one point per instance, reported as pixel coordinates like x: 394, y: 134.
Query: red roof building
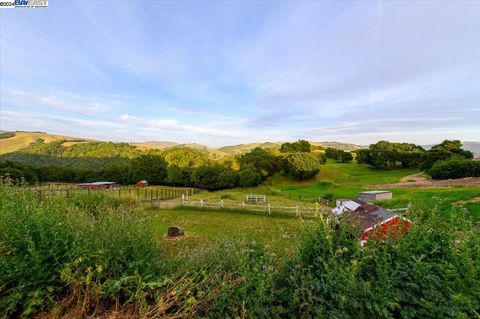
x: 142, y: 183
x: 372, y: 221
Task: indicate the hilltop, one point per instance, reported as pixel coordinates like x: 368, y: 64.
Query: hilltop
x: 22, y: 140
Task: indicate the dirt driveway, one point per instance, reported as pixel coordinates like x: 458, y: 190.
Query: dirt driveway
x: 417, y: 180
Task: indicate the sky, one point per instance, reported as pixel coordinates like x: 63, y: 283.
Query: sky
x: 223, y: 73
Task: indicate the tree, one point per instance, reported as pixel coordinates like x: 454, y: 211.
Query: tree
x: 346, y: 157
x: 152, y: 168
x: 363, y: 156
x: 249, y: 176
x: 302, y: 166
x: 214, y: 177
x: 385, y: 154
x: 178, y: 176
x: 448, y: 149
x: 332, y: 153
x: 263, y: 160
x: 298, y: 146
x: 185, y: 157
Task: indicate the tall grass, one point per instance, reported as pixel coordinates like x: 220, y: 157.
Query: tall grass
x: 86, y: 255
x: 86, y: 251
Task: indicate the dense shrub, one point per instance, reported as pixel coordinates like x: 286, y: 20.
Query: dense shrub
x: 249, y: 176
x: 302, y: 166
x: 455, y: 168
x: 214, y: 177
x: 431, y: 273
x: 178, y: 176
x: 152, y: 168
x: 88, y: 248
x: 18, y: 171
x: 6, y: 135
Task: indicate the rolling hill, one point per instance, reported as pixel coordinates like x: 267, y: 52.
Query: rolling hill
x: 22, y: 140
x: 244, y: 148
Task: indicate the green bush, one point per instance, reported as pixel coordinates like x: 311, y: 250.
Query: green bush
x: 214, y: 177
x: 455, y: 168
x: 302, y: 165
x: 433, y: 272
x: 90, y: 249
x: 249, y: 176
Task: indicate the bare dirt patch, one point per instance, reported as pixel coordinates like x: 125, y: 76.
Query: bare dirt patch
x: 418, y: 180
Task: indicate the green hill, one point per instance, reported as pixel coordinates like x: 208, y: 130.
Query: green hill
x: 244, y: 148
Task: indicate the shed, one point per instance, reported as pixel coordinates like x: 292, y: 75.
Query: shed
x: 370, y: 196
x: 142, y: 183
x: 370, y: 220
x: 98, y: 185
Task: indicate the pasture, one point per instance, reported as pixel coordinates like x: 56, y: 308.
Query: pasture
x: 111, y: 255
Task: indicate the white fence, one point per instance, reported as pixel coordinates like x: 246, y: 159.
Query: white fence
x: 315, y: 210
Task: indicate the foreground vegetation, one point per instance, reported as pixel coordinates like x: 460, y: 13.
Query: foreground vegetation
x: 90, y: 255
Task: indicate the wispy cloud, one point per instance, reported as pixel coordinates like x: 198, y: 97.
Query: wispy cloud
x: 233, y: 72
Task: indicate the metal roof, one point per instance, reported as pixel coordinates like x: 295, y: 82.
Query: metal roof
x: 375, y: 192
x: 98, y: 183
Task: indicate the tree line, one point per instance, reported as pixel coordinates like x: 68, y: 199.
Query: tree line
x: 178, y: 167
x: 445, y: 160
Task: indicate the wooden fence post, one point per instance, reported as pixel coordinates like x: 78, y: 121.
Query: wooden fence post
x: 269, y: 206
x: 221, y: 203
x: 316, y: 209
x: 243, y: 205
x: 296, y: 210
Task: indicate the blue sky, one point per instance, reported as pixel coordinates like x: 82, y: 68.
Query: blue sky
x: 222, y: 73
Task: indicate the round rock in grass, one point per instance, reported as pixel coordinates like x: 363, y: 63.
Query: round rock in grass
x: 175, y: 231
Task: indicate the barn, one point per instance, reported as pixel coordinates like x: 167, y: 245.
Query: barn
x: 371, y: 221
x: 142, y: 183
x: 98, y: 185
x: 370, y: 196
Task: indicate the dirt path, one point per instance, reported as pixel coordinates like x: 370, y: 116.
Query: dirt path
x: 417, y: 180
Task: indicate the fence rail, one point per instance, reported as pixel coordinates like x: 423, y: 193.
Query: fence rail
x: 316, y: 210
x: 138, y: 194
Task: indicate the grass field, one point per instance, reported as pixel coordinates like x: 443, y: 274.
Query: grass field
x: 280, y: 234
x: 346, y: 180
x: 92, y: 254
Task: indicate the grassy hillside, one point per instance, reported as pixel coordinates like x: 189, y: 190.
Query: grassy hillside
x: 156, y: 144
x: 160, y: 145
x: 24, y: 139
x: 244, y: 148
x: 347, y: 180
x: 75, y: 154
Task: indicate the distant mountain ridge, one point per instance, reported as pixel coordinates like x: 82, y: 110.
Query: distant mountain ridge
x: 23, y: 139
